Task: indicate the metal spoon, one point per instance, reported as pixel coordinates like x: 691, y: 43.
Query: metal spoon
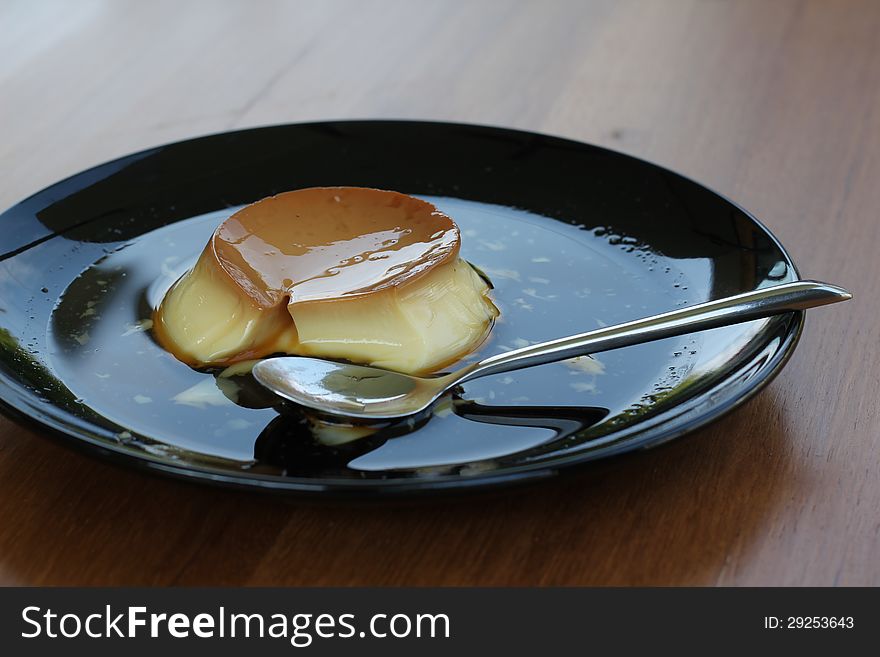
x: 356, y: 391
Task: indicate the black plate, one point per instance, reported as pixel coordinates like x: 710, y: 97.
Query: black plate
x: 572, y: 236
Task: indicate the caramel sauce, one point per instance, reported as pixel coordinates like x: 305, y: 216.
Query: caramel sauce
x: 327, y: 243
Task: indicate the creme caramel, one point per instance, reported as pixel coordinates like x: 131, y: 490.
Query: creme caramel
x: 350, y: 273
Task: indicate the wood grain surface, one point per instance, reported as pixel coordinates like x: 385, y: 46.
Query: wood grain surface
x: 774, y: 104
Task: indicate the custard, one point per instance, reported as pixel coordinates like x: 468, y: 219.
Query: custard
x: 350, y: 273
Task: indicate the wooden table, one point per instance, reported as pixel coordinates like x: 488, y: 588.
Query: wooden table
x: 775, y: 104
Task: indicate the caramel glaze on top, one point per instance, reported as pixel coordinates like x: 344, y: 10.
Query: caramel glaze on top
x: 326, y: 243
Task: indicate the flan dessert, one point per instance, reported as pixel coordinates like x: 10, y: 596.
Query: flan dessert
x: 364, y: 275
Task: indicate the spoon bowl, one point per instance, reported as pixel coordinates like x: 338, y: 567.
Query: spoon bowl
x: 354, y: 391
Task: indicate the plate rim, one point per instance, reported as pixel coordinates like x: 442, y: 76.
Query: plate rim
x: 45, y: 424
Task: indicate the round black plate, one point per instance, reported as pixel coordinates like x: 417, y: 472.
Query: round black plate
x: 572, y: 236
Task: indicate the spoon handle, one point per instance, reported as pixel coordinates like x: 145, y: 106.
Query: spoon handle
x: 758, y: 304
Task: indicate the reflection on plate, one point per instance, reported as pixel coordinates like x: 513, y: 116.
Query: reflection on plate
x: 572, y: 237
